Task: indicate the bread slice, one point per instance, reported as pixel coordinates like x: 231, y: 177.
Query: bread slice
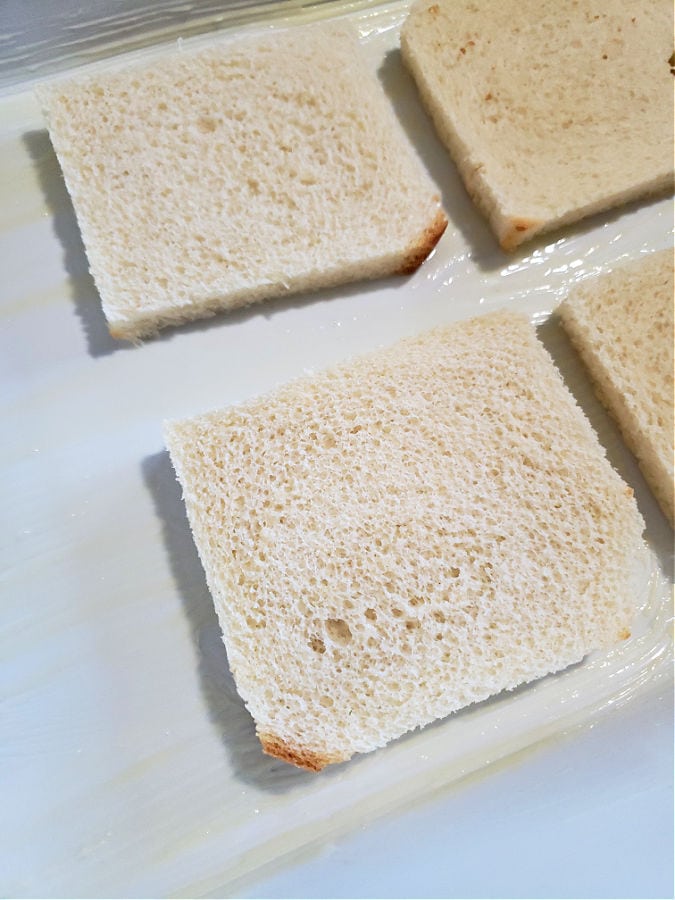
x: 552, y: 111
x: 407, y: 534
x: 622, y: 326
x: 211, y: 179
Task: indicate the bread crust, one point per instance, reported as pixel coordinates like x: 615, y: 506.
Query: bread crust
x: 419, y: 251
x: 301, y: 757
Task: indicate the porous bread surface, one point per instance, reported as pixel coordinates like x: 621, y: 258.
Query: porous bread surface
x: 622, y: 326
x: 407, y: 534
x: 551, y: 111
x: 212, y: 179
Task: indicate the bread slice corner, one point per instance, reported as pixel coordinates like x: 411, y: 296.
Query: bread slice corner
x: 301, y: 757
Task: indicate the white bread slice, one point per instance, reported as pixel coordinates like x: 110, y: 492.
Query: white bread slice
x: 552, y: 111
x: 211, y: 179
x: 407, y: 534
x: 622, y: 326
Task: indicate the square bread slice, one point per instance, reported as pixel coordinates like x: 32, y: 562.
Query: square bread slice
x: 552, y: 111
x: 213, y: 178
x: 622, y: 326
x: 412, y: 532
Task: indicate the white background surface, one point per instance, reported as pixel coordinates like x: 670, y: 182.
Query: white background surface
x: 128, y: 766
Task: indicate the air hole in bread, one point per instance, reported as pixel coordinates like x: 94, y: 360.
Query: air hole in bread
x: 206, y: 124
x: 317, y: 645
x: 338, y: 631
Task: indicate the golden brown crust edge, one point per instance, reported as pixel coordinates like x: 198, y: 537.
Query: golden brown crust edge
x: 301, y: 757
x: 419, y: 251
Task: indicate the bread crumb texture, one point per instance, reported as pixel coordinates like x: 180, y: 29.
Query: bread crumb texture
x: 551, y: 111
x: 404, y: 535
x: 622, y: 326
x: 212, y: 179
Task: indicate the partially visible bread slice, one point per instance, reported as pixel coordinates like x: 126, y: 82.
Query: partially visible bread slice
x: 208, y: 180
x: 622, y: 326
x: 552, y: 111
x: 405, y: 535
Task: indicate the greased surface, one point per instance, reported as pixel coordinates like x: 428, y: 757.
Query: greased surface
x: 119, y: 705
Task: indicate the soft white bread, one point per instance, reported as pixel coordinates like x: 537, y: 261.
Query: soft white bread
x: 622, y: 326
x: 405, y: 535
x: 212, y: 179
x: 552, y: 111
